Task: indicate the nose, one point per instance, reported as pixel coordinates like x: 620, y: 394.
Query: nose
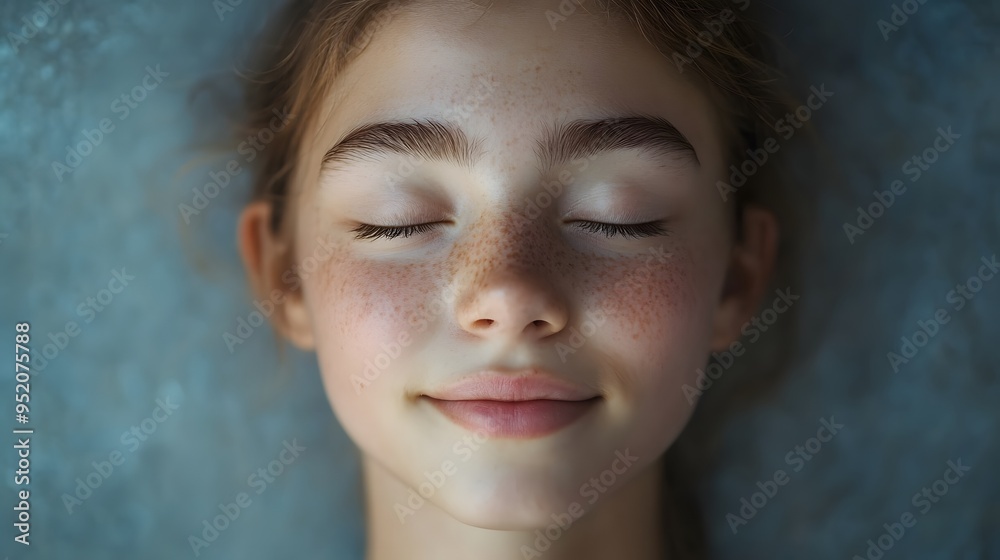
x: 513, y: 304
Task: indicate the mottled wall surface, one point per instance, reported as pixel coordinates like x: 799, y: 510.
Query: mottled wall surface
x: 157, y: 344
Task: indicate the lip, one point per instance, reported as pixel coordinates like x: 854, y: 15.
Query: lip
x: 520, y: 405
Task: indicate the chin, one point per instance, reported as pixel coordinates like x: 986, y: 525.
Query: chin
x: 500, y: 507
x: 492, y: 493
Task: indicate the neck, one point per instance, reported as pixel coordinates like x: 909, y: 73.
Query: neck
x: 627, y: 523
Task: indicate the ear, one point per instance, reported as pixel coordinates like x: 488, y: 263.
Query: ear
x: 267, y: 258
x: 751, y: 266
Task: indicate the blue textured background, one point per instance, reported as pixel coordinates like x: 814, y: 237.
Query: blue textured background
x: 161, y: 336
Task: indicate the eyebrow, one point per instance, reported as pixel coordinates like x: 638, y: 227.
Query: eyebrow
x: 442, y: 140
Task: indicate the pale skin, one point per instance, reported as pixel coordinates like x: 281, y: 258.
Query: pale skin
x: 491, y: 284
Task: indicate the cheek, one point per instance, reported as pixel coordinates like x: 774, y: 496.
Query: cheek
x: 654, y: 307
x: 367, y: 322
x: 656, y: 335
x: 362, y: 301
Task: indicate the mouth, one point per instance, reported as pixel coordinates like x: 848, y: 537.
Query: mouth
x: 514, y: 419
x: 523, y: 405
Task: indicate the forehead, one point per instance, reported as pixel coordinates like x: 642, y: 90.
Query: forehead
x: 510, y: 72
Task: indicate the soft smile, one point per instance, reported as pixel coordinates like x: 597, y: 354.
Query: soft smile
x: 511, y: 406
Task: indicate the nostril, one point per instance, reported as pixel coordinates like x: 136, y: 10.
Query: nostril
x: 483, y: 323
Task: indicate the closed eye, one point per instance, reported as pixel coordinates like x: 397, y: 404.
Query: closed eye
x: 647, y: 229
x: 368, y: 231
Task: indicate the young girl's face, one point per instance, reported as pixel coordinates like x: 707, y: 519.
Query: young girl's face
x: 524, y: 137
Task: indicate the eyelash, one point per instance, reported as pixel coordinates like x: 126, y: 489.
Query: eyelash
x: 647, y: 229
x: 368, y: 231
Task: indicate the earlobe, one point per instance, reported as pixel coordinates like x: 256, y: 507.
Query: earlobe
x: 751, y: 267
x: 266, y: 259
